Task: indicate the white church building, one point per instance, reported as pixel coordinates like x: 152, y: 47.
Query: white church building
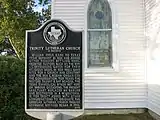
x: 121, y: 50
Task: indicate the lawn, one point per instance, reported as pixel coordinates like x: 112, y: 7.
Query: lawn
x: 142, y: 116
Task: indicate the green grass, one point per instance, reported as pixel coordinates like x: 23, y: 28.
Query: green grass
x: 143, y: 116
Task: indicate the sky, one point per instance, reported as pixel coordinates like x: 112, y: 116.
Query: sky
x: 38, y: 8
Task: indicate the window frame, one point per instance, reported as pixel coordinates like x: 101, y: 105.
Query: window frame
x: 115, y: 42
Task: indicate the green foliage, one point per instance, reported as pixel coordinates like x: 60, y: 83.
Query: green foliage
x: 17, y: 16
x: 45, y: 13
x: 12, y: 72
x: 44, y: 2
x: 141, y: 116
x: 5, y: 46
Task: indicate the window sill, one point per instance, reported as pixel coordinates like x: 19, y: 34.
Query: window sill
x: 100, y: 70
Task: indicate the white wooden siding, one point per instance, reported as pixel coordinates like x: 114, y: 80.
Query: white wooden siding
x: 127, y: 88
x: 152, y: 17
x: 71, y: 11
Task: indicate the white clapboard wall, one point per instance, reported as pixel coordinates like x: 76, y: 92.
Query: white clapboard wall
x: 126, y: 88
x: 152, y: 17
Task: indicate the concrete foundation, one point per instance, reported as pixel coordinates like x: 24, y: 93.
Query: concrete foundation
x: 154, y: 115
x: 115, y: 111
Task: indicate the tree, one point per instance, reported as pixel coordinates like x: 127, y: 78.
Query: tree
x: 44, y: 2
x: 45, y: 13
x: 16, y: 16
x: 6, y: 48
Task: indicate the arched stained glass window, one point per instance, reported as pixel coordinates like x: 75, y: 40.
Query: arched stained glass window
x: 99, y: 34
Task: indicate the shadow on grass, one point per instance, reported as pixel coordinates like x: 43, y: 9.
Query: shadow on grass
x: 142, y: 116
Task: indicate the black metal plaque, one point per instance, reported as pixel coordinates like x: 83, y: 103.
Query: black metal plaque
x: 54, y: 67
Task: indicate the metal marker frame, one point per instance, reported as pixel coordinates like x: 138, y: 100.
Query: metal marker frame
x: 55, y: 111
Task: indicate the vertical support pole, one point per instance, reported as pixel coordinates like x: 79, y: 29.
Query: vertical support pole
x: 50, y: 116
x: 54, y: 116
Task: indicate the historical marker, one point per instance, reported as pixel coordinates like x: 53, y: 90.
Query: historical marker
x: 54, y: 67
